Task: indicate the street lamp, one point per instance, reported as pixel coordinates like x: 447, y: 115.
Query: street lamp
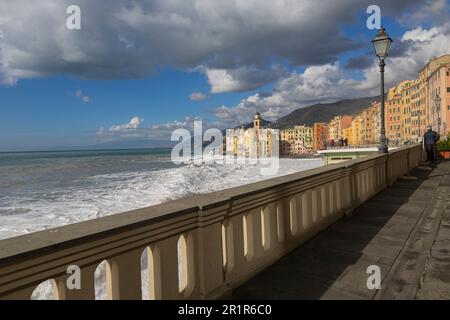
x: 419, y: 113
x: 382, y: 44
x: 437, y: 104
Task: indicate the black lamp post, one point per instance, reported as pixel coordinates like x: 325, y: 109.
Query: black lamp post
x: 437, y: 101
x: 419, y: 113
x: 381, y: 44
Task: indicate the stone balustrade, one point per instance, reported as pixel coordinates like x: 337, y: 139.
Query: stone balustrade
x: 198, y: 247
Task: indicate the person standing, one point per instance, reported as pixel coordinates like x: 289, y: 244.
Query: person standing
x: 430, y: 139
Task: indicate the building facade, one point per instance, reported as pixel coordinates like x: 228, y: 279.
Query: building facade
x: 251, y: 142
x: 410, y: 107
x: 434, y: 82
x: 297, y: 141
x: 337, y: 124
x: 394, y: 114
x: 320, y: 136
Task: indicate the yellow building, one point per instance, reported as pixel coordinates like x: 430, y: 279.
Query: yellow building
x: 406, y: 111
x: 356, y: 130
x: 347, y: 133
x: 405, y: 120
x: 417, y: 120
x: 393, y: 115
x: 336, y: 125
x: 297, y: 140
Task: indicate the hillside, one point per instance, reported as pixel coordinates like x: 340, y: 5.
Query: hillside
x: 323, y: 112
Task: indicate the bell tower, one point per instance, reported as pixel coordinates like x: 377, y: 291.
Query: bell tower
x: 257, y: 121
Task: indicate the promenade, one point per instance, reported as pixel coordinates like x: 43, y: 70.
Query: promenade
x: 405, y: 230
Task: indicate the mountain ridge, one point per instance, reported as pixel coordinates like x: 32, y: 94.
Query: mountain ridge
x: 323, y: 112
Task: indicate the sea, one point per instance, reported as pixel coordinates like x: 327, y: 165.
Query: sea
x: 42, y: 190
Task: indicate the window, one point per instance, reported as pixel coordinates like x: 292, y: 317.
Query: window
x: 448, y: 89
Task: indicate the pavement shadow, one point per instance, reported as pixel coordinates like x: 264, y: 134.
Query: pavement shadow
x: 333, y: 264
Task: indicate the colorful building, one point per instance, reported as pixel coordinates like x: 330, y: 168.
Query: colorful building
x: 320, y: 136
x: 434, y: 80
x: 297, y: 140
x: 393, y: 114
x: 410, y: 107
x: 417, y: 118
x: 337, y: 124
x: 347, y: 133
x: 356, y: 130
x: 251, y: 142
x: 406, y: 111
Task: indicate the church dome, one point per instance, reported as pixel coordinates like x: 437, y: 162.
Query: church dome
x: 257, y: 116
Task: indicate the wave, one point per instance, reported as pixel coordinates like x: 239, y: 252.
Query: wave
x: 100, y: 195
x: 105, y: 194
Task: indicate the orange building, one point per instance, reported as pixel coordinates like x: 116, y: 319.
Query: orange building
x: 434, y: 80
x: 393, y: 114
x: 369, y: 123
x: 320, y: 136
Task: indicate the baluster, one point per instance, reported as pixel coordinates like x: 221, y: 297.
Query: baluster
x: 168, y: 253
x: 124, y: 276
x: 307, y: 214
x: 87, y: 285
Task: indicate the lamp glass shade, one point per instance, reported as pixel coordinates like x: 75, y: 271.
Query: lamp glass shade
x: 437, y: 100
x: 382, y: 44
x: 382, y: 47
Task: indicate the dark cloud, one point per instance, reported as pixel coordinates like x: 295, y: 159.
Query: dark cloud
x: 434, y: 12
x: 130, y: 39
x: 400, y: 48
x: 361, y: 62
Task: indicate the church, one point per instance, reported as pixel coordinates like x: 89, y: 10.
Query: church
x: 253, y: 142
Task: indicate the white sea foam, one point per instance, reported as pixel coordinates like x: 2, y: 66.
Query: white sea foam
x: 108, y: 194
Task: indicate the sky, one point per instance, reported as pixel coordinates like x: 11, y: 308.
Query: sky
x: 140, y: 69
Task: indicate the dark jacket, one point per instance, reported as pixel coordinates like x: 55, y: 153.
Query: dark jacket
x: 430, y: 138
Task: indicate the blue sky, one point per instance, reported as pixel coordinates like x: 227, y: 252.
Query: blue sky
x: 47, y: 112
x: 42, y: 104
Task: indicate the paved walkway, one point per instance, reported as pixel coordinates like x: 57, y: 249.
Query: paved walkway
x: 405, y: 230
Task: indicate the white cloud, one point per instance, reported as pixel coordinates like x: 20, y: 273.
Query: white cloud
x: 323, y: 83
x: 241, y: 79
x: 332, y: 82
x: 84, y: 98
x: 134, y: 123
x: 197, y: 96
x: 134, y: 129
x: 101, y: 131
x: 420, y: 34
